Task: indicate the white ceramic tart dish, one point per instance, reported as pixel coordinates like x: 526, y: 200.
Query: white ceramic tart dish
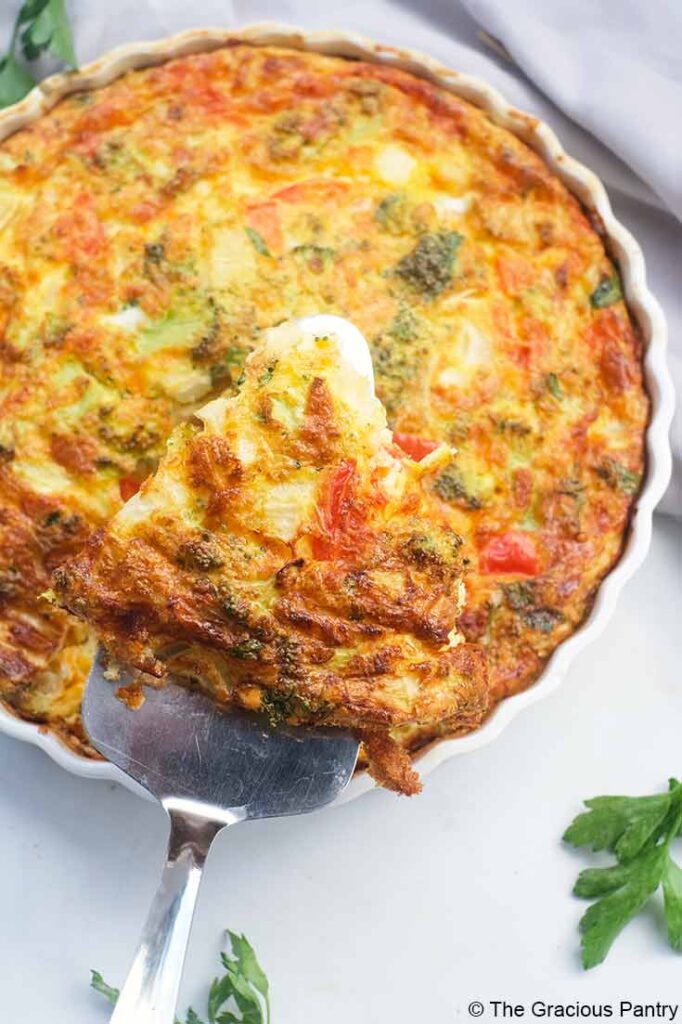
x: 581, y: 182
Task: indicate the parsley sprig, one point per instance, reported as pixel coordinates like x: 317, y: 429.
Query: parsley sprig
x: 639, y: 831
x: 240, y: 996
x: 41, y: 26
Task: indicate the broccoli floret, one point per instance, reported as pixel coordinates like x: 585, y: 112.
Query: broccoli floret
x: 449, y: 485
x: 284, y: 705
x: 397, y: 353
x: 404, y: 325
x: 519, y: 594
x: 277, y: 707
x: 428, y: 268
x: 233, y: 606
x: 247, y: 650
x: 544, y: 620
x: 522, y: 597
x: 199, y: 554
x: 439, y: 550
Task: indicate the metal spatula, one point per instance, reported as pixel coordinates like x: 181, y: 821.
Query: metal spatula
x: 209, y: 769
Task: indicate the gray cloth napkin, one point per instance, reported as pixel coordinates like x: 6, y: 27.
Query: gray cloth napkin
x: 607, y: 70
x: 615, y: 67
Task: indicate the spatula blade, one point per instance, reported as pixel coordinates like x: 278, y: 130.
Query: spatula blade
x: 179, y: 744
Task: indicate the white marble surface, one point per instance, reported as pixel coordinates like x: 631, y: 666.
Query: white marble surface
x: 384, y: 909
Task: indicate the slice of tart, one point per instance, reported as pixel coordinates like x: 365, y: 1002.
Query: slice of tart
x: 286, y: 557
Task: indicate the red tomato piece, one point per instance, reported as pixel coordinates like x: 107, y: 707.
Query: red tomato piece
x: 320, y: 189
x: 510, y: 552
x: 127, y: 486
x: 338, y: 495
x: 264, y: 218
x: 416, y: 447
x: 336, y: 512
x: 515, y: 273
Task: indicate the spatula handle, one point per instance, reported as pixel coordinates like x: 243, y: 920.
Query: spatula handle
x: 150, y: 993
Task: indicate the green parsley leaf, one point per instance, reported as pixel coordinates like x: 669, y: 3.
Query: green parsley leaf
x: 244, y: 987
x: 601, y: 924
x: 594, y: 882
x: 220, y: 991
x: 618, y: 823
x: 15, y: 80
x: 258, y: 242
x: 639, y: 831
x: 46, y: 27
x: 41, y: 25
x: 193, y: 1017
x: 99, y: 984
x: 672, y: 902
x: 554, y: 386
x: 606, y: 293
x: 245, y: 982
x: 233, y: 985
x: 247, y: 963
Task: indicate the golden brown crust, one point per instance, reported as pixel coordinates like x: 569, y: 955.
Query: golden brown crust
x: 389, y: 764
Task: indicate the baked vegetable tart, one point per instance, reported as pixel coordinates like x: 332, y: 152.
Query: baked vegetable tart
x: 154, y: 228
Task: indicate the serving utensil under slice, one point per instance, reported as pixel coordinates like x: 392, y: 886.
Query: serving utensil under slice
x: 208, y: 768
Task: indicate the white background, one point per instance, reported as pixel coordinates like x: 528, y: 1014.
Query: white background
x: 386, y: 909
